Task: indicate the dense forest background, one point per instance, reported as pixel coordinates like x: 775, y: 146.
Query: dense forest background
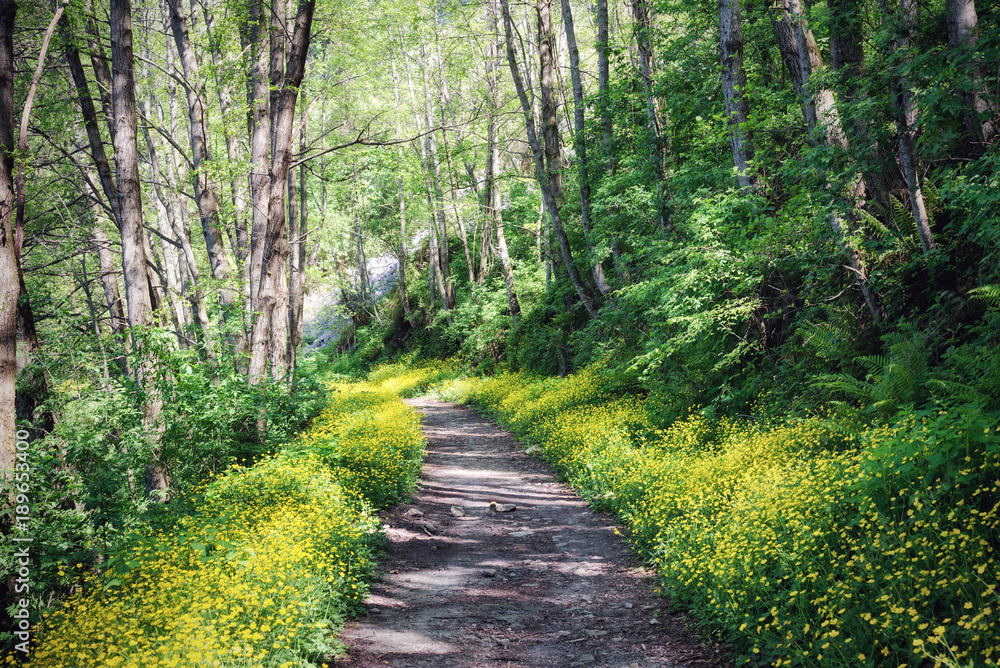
x: 749, y: 210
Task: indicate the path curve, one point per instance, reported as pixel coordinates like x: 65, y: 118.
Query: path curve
x: 548, y: 584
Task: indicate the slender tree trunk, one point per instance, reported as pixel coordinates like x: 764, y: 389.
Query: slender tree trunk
x: 490, y: 185
x: 167, y: 224
x: 239, y: 193
x: 734, y: 82
x: 434, y: 274
x: 27, y: 337
x: 906, y: 121
x: 493, y: 161
x: 541, y: 171
x: 142, y: 302
x: 580, y: 144
x: 403, y: 296
x: 434, y: 172
x: 659, y: 140
x: 547, y: 60
x: 451, y: 179
x: 847, y: 57
x: 204, y: 190
x: 97, y: 152
x: 109, y: 282
x: 9, y: 283
x: 102, y: 73
x: 603, y: 75
x: 84, y: 283
x: 963, y: 23
x: 260, y: 185
x: 298, y: 224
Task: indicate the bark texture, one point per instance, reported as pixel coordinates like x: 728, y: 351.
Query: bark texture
x: 734, y: 81
x: 9, y: 284
x: 139, y: 291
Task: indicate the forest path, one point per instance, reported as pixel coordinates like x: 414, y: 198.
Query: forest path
x: 547, y: 584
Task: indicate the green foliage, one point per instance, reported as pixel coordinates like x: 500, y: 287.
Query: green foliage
x: 271, y: 557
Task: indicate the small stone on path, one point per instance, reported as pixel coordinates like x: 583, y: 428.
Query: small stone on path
x: 458, y: 511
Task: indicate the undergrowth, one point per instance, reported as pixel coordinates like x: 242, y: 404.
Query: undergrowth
x: 268, y: 565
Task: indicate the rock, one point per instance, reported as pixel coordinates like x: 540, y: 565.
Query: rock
x: 521, y: 534
x: 586, y: 658
x: 628, y: 606
x: 654, y: 620
x: 562, y: 633
x: 490, y: 573
x: 458, y: 511
x: 594, y: 633
x: 503, y: 507
x: 413, y: 512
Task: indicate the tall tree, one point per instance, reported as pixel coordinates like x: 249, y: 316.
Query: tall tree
x: 9, y: 284
x: 963, y: 23
x: 734, y: 82
x: 270, y: 334
x: 906, y: 124
x: 205, y: 191
x: 580, y: 145
x: 543, y: 169
x: 491, y: 195
x: 140, y: 293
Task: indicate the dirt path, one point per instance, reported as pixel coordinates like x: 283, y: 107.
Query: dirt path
x: 547, y: 584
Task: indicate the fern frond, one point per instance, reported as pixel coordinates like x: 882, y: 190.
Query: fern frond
x: 873, y: 363
x: 987, y: 293
x: 841, y: 382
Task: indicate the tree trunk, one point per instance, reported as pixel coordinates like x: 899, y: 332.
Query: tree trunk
x: 906, y: 120
x: 142, y: 302
x: 541, y: 172
x: 451, y: 179
x: 260, y: 149
x: 603, y: 75
x: 97, y: 152
x: 658, y: 140
x: 801, y: 55
x: 434, y: 172
x: 580, y: 145
x: 297, y: 262
x: 547, y: 62
x: 204, y: 190
x: 9, y: 283
x: 108, y: 276
x: 847, y: 57
x: 403, y: 296
x: 270, y: 334
x: 493, y: 167
x: 734, y: 82
x: 963, y: 22
x: 241, y: 247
